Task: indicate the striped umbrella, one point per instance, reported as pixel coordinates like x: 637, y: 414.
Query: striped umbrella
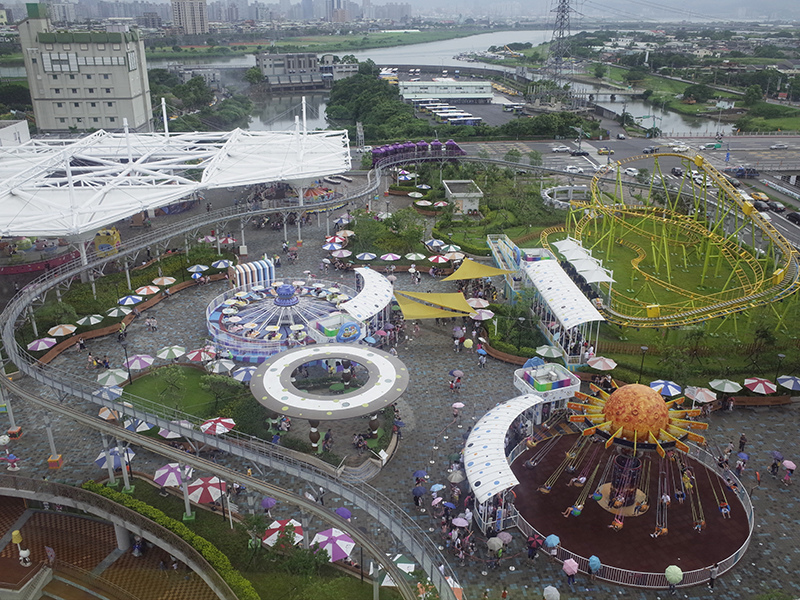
x: 335, y: 239
x: 116, y: 459
x: 164, y: 280
x: 110, y: 392
x: 482, y: 314
x: 336, y: 542
x: 450, y: 248
x: 227, y: 240
x: 415, y: 256
x: 455, y: 256
x: 366, y: 256
x: 221, y: 264
x: 171, y: 435
x: 107, y: 414
x: 602, y: 363
x: 170, y: 352
x: 90, y: 320
x: 726, y: 386
x: 477, y: 302
x: 112, y: 377
x: 331, y: 246
x: 41, y: 344
x: 129, y: 300
x: 701, y: 395
x: 222, y: 365
x: 138, y: 362
x: 438, y: 259
x: 548, y: 351
x: 345, y: 232
x: 137, y: 425
x: 390, y: 256
x: 148, y: 290
x: 207, y: 239
x: 197, y: 268
x: 206, y: 490
x: 789, y: 382
x: 666, y: 387
x: 343, y: 220
x: 201, y: 355
x: 440, y: 204
x: 434, y: 243
x: 759, y: 385
x: 173, y: 475
x: 244, y: 374
x: 276, y: 528
x: 62, y: 330
x: 118, y: 311
x: 217, y: 426
x: 341, y: 253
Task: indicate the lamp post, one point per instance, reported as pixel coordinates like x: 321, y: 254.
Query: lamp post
x: 124, y: 343
x: 519, y: 333
x: 778, y: 368
x: 644, y: 350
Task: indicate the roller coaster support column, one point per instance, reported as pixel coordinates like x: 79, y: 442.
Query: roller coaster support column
x: 128, y: 274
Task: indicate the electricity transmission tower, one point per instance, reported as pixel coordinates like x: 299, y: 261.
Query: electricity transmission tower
x: 554, y: 73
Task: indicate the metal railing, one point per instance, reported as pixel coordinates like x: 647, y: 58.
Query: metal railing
x: 72, y: 574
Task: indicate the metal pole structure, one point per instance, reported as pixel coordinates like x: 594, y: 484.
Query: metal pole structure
x: 124, y: 343
x: 123, y: 460
x: 778, y: 368
x: 164, y: 116
x: 49, y: 430
x: 109, y: 464
x: 33, y: 321
x: 644, y: 350
x: 128, y: 274
x: 376, y: 583
x: 4, y: 399
x: 188, y: 514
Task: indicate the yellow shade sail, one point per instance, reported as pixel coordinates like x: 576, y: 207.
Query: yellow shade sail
x: 470, y: 269
x: 451, y: 301
x: 418, y: 310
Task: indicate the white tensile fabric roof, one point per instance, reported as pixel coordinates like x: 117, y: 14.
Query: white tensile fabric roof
x: 69, y: 187
x: 598, y: 275
x: 488, y: 471
x: 373, y: 298
x: 564, y: 298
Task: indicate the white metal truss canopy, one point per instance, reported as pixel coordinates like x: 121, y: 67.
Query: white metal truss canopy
x: 563, y: 297
x: 69, y: 187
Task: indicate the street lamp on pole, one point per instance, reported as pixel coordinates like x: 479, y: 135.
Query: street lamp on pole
x: 124, y: 343
x: 519, y: 333
x: 778, y: 368
x: 644, y: 350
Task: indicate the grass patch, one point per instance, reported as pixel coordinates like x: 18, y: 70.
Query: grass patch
x: 195, y: 401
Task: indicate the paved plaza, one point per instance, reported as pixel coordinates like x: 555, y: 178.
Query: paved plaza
x: 431, y: 434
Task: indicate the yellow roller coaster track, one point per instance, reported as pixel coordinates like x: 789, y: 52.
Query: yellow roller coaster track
x: 752, y: 290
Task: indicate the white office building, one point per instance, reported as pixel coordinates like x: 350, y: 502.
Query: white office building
x: 190, y: 16
x: 85, y: 80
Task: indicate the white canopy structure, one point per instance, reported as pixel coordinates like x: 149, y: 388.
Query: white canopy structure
x: 373, y: 298
x: 598, y: 275
x: 69, y: 187
x: 488, y: 471
x: 563, y: 297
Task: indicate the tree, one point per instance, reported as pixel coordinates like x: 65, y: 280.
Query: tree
x: 753, y: 94
x: 535, y: 158
x: 368, y: 67
x: 513, y: 155
x: 698, y: 92
x: 599, y: 70
x: 253, y: 76
x: 173, y: 380
x: 406, y: 228
x: 349, y: 59
x: 177, y: 48
x: 221, y: 387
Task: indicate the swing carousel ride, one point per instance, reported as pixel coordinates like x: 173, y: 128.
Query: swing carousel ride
x: 627, y: 487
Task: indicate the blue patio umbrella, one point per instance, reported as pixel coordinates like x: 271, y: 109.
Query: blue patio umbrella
x: 370, y: 340
x: 221, y: 264
x: 109, y: 392
x: 552, y: 540
x: 789, y: 382
x: 481, y: 351
x: 366, y: 256
x: 665, y: 387
x: 594, y: 563
x: 420, y: 473
x: 436, y: 487
x: 137, y: 425
x: 244, y: 374
x: 129, y: 300
x: 533, y: 362
x: 448, y: 504
x: 743, y: 456
x: 116, y: 459
x: 197, y: 275
x: 419, y: 490
x: 343, y: 512
x: 331, y: 246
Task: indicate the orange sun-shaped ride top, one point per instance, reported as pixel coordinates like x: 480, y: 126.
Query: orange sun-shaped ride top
x: 637, y: 409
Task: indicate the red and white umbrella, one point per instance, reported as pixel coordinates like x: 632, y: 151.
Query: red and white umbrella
x: 341, y: 253
x: 273, y: 532
x: 601, y: 363
x: 438, y: 259
x: 206, y: 490
x: 335, y: 239
x: 217, y: 426
x: 700, y: 395
x: 338, y: 544
x: 477, y: 302
x: 759, y: 385
x: 42, y: 344
x: 227, y: 240
x: 139, y: 361
x: 201, y: 355
x: 440, y: 204
x: 482, y: 314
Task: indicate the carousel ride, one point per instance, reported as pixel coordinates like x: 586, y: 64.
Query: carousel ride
x: 629, y: 487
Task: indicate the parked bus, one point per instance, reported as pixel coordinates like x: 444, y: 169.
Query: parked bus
x: 469, y: 120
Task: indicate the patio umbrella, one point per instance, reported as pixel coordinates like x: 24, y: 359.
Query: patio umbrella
x: 171, y: 435
x: 221, y: 264
x: 136, y: 425
x: 382, y: 216
x: 172, y: 475
x: 170, y: 352
x: 116, y: 459
x: 392, y: 278
x: 197, y: 268
x: 148, y: 290
x: 419, y: 474
x: 666, y: 387
x: 341, y: 253
x: 345, y: 232
x: 423, y: 186
x: 222, y: 365
x: 438, y: 259
x: 594, y: 563
x: 551, y: 593
x: 112, y: 377
x: 700, y: 395
x: 456, y: 477
x: 138, y: 362
x: 494, y: 544
x: 455, y: 256
x: 366, y: 256
x: 434, y: 243
x: 207, y: 239
x: 570, y: 567
x: 90, y: 320
x: 505, y: 537
x: 743, y: 456
x: 457, y: 405
x: 416, y: 195
x: 673, y: 574
x: 341, y: 220
x: 423, y: 203
x: 164, y: 281
x: 759, y: 385
x: 390, y: 256
x: 108, y: 414
x: 460, y: 522
x: 552, y: 540
x: 244, y: 374
x: 42, y: 344
x: 343, y: 512
x: 726, y: 386
x: 267, y: 502
x: 602, y: 363
x: 440, y: 204
x: 482, y: 314
x: 227, y: 240
x: 415, y: 256
x: 62, y: 330
x: 206, y: 490
x: 118, y: 311
x: 336, y: 542
x: 196, y: 275
x: 201, y: 355
x: 217, y: 426
x: 477, y: 302
x: 111, y: 392
x: 129, y: 300
x: 548, y: 351
x: 787, y: 464
x: 276, y: 528
x: 789, y: 382
x: 331, y: 246
x: 405, y: 564
x: 449, y: 248
x: 419, y: 491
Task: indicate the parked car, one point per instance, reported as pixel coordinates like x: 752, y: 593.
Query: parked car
x: 561, y: 149
x: 759, y: 196
x: 760, y: 206
x: 734, y: 182
x: 677, y: 171
x: 579, y: 153
x: 364, y: 149
x: 605, y: 151
x: 777, y: 207
x: 631, y: 172
x: 793, y: 217
x: 621, y: 136
x: 778, y: 147
x: 680, y: 148
x: 649, y: 150
x: 573, y: 169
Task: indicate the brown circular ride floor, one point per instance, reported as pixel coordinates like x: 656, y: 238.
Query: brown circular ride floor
x: 632, y: 548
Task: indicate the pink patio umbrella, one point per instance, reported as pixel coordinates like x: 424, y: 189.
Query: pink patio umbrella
x: 341, y: 253
x: 337, y: 543
x: 602, y: 364
x: 139, y: 361
x: 759, y: 385
x: 208, y: 239
x: 390, y: 256
x: 217, y: 426
x: 700, y: 395
x: 172, y: 475
x: 148, y: 290
x: 273, y: 532
x: 206, y: 490
x: 438, y: 259
x: 42, y: 344
x: 477, y: 302
x: 481, y: 314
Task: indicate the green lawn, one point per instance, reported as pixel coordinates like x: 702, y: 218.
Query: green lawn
x: 195, y: 401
